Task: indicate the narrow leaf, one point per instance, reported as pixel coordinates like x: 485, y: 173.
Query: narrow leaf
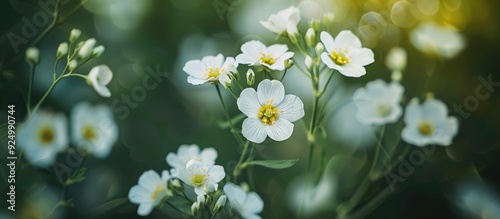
x: 273, y: 164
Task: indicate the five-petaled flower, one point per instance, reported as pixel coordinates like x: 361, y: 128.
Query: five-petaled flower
x: 185, y: 153
x: 150, y: 191
x: 378, y: 102
x: 248, y: 205
x: 279, y: 22
x: 202, y: 177
x: 100, y: 76
x: 255, y: 53
x: 345, y: 54
x: 211, y: 69
x: 429, y: 123
x: 270, y: 112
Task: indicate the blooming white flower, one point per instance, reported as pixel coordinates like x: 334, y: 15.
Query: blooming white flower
x: 345, y: 54
x: 433, y: 39
x: 93, y: 128
x: 378, y: 102
x: 100, y: 76
x: 279, y: 22
x: 255, y: 53
x: 42, y: 136
x: 429, y: 123
x: 396, y: 59
x: 204, y: 178
x: 211, y: 69
x: 150, y: 191
x: 479, y: 200
x: 270, y: 112
x: 248, y: 205
x: 185, y: 153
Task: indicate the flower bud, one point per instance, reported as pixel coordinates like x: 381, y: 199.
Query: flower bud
x: 328, y: 18
x: 310, y: 37
x: 97, y: 51
x: 201, y: 201
x: 72, y: 65
x: 315, y: 24
x: 396, y: 59
x: 293, y: 32
x: 396, y: 76
x: 74, y: 35
x: 289, y: 63
x: 220, y: 203
x: 87, y: 48
x: 309, y: 63
x: 245, y: 187
x: 62, y: 50
x: 319, y: 49
x: 195, y: 208
x: 33, y: 55
x: 250, y: 77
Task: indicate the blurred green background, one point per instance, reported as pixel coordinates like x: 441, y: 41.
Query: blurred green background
x: 163, y: 34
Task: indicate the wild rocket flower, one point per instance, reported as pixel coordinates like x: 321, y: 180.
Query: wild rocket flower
x: 378, y: 103
x: 270, y: 112
x: 185, y: 153
x: 433, y: 39
x: 429, y: 123
x: 255, y: 53
x: 345, y: 54
x: 150, y: 191
x: 211, y: 69
x: 204, y: 178
x: 279, y: 22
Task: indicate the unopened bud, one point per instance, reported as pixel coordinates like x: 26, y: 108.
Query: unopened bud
x: 289, y: 63
x: 220, y: 203
x: 62, y: 50
x: 74, y: 35
x: 201, y: 201
x: 309, y: 63
x: 250, y: 77
x: 245, y: 186
x: 72, y: 65
x: 87, y: 48
x: 310, y: 37
x: 396, y: 59
x: 33, y: 55
x: 211, y: 188
x: 319, y: 49
x: 315, y: 24
x: 195, y: 208
x: 328, y: 18
x: 293, y: 32
x: 97, y: 51
x: 396, y: 76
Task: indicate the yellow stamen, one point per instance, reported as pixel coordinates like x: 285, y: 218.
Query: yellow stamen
x: 46, y: 135
x: 339, y: 58
x: 198, y: 179
x: 268, y: 113
x: 89, y: 133
x: 426, y: 128
x: 159, y: 189
x: 213, y: 72
x: 267, y: 58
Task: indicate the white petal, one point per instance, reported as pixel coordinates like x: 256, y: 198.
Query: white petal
x: 327, y: 41
x: 149, y: 179
x: 194, y: 68
x: 270, y: 91
x: 325, y: 57
x: 254, y: 203
x: 248, y: 103
x: 187, y: 152
x: 145, y: 209
x: 199, y: 191
x: 277, y: 50
x: 281, y: 130
x: 174, y: 161
x: 216, y: 173
x: 291, y: 108
x: 413, y: 115
x: 165, y: 176
x: 208, y: 156
x: 347, y: 37
x: 352, y: 70
x: 230, y: 65
x: 253, y: 129
x: 138, y: 194
x: 411, y: 135
x: 434, y: 110
x: 270, y: 26
x: 234, y: 193
x: 363, y: 56
x: 196, y: 81
x: 246, y: 59
x: 253, y: 48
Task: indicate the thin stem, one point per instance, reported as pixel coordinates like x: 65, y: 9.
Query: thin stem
x: 46, y: 94
x: 55, y: 69
x: 228, y: 117
x: 237, y: 168
x: 284, y: 74
x: 76, y: 75
x: 371, y: 205
x: 32, y: 74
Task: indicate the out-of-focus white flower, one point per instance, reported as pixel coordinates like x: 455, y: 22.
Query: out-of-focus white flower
x: 62, y: 50
x: 87, y: 48
x: 42, y: 136
x: 378, y: 102
x: 150, y: 191
x: 100, y: 76
x: 396, y: 59
x: 201, y: 176
x: 433, y: 39
x: 98, y: 51
x: 279, y: 22
x: 303, y: 194
x: 74, y: 35
x: 185, y: 153
x: 255, y: 53
x: 429, y: 123
x: 33, y: 55
x: 93, y: 128
x: 211, y: 69
x: 345, y: 54
x: 479, y: 201
x: 270, y: 112
x: 248, y: 205
x: 311, y: 37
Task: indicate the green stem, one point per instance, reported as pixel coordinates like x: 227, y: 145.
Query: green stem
x: 228, y: 117
x: 32, y: 74
x: 75, y: 75
x: 284, y: 74
x: 46, y: 94
x: 371, y: 205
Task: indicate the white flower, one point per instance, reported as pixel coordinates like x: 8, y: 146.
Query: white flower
x: 479, y: 200
x: 150, y: 191
x: 270, y: 112
x: 33, y: 55
x: 278, y: 22
x: 434, y: 39
x: 42, y: 136
x: 345, y: 54
x: 396, y: 59
x: 378, y: 103
x: 185, y: 153
x: 211, y: 69
x: 255, y: 53
x: 204, y: 178
x: 98, y: 51
x: 62, y: 50
x: 429, y: 123
x: 87, y: 48
x: 74, y: 35
x: 248, y: 205
x: 93, y: 128
x: 100, y: 76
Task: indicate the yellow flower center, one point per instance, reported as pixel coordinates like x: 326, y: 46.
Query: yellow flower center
x: 426, y: 128
x: 159, y: 189
x: 46, y: 135
x: 89, y: 133
x: 267, y: 58
x: 268, y: 113
x: 383, y: 110
x: 198, y: 179
x: 339, y: 58
x: 213, y: 72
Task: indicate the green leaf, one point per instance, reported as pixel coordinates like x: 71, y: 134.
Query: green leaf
x: 110, y: 205
x: 234, y: 120
x: 273, y: 164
